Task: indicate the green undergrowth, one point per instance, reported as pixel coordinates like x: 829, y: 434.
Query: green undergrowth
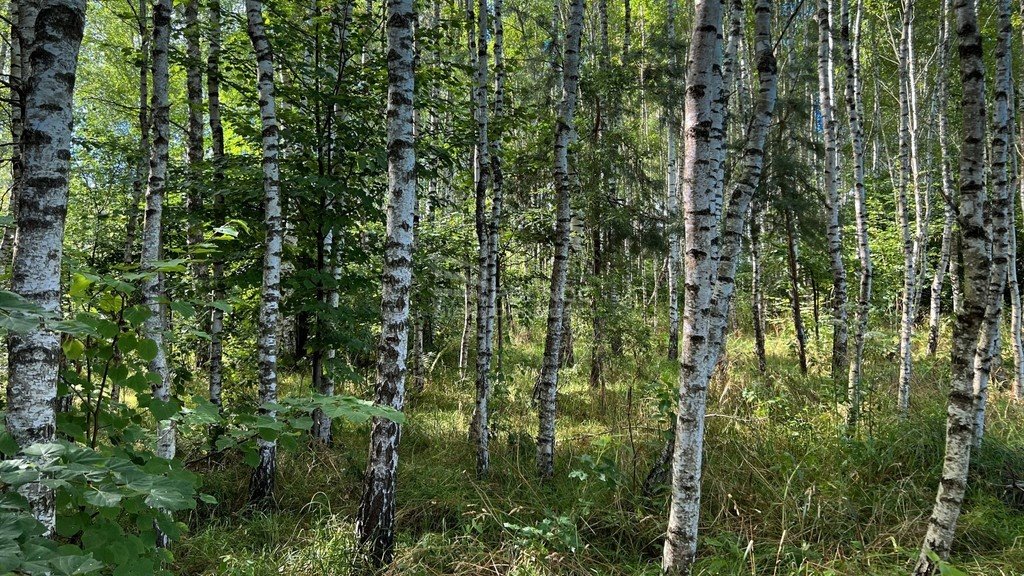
x: 785, y: 491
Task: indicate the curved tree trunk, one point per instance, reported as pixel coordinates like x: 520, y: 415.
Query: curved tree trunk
x: 261, y: 485
x: 34, y: 355
x: 547, y: 384
x: 375, y: 521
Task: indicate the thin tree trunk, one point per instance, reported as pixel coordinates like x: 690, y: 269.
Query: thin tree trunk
x: 142, y: 167
x: 998, y: 216
x: 321, y: 430
x: 261, y: 485
x: 34, y: 354
x: 547, y: 384
x: 194, y: 133
x: 977, y: 260
x: 908, y: 177
x: 748, y: 178
x: 701, y: 191
x: 375, y: 523
x: 479, y: 428
x: 217, y: 138
x: 831, y: 175
x: 756, y: 289
x: 850, y: 38
x: 672, y: 172
x: 792, y: 258
x: 152, y: 287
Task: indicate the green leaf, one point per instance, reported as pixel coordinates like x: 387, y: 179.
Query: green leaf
x: 102, y: 498
x: 164, y: 410
x: 80, y: 284
x: 147, y: 349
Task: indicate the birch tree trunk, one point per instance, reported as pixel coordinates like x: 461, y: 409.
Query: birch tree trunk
x: 756, y: 289
x: 834, y: 231
x: 142, y: 166
x: 217, y: 138
x: 375, y: 522
x: 699, y: 193
x: 748, y: 178
x: 850, y: 38
x: 194, y: 133
x: 34, y: 355
x: 479, y: 429
x: 152, y: 287
x: 908, y: 178
x: 792, y: 259
x: 674, y: 247
x: 547, y: 384
x: 261, y: 485
x: 977, y: 260
x: 998, y: 216
x: 946, y: 174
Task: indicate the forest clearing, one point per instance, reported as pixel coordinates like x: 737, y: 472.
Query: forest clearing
x: 528, y: 288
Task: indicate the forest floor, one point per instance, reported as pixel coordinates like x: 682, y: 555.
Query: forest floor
x: 784, y: 492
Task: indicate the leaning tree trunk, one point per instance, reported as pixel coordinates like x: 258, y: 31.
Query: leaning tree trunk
x: 977, y: 260
x: 946, y: 173
x: 834, y: 229
x: 998, y: 216
x: 34, y: 354
x: 261, y: 485
x: 700, y: 193
x: 152, y: 286
x: 850, y: 38
x: 547, y: 384
x: 375, y: 522
x: 747, y: 179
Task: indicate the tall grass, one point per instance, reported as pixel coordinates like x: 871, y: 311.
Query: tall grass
x: 785, y: 492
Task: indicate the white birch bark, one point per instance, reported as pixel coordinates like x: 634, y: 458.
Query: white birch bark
x: 672, y: 172
x: 261, y: 485
x: 748, y: 178
x: 850, y: 39
x: 34, y: 355
x: 547, y: 384
x: 977, y: 259
x: 479, y: 429
x: 194, y: 133
x: 152, y: 287
x: 375, y: 523
x: 213, y: 75
x: 999, y: 215
x: 907, y: 179
x: 834, y: 231
x: 699, y: 192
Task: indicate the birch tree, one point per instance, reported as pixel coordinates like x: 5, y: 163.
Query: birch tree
x: 261, y: 485
x: 977, y: 258
x: 547, y: 384
x: 850, y: 39
x: 375, y: 521
x: 152, y: 228
x: 672, y: 171
x: 998, y: 217
x: 194, y: 133
x: 834, y: 231
x: 34, y: 354
x: 217, y: 140
x: 699, y: 191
